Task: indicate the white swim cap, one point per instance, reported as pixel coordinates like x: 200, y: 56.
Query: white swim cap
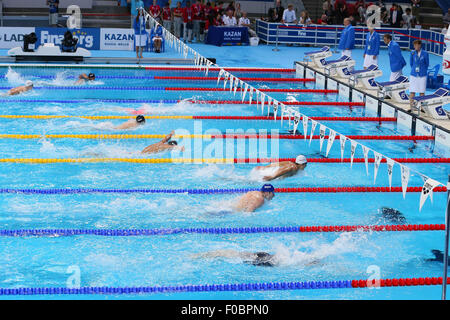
x: 301, y: 159
x: 29, y: 83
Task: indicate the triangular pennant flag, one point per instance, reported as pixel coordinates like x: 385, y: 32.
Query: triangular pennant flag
x: 296, y: 122
x: 283, y: 110
x: 353, y: 145
x: 231, y: 82
x: 331, y: 137
x: 269, y: 103
x: 289, y: 112
x: 275, y: 109
x: 225, y: 79
x: 245, y: 91
x: 343, y: 140
x: 313, y: 128
x: 322, y: 129
x: 241, y: 85
x: 427, y: 190
x: 405, y: 179
x: 262, y: 98
x: 250, y: 95
x: 390, y: 167
x: 376, y: 164
x: 305, y: 120
x: 366, y: 157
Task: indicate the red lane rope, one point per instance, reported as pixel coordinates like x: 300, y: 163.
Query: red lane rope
x: 378, y: 119
x: 354, y: 189
x: 345, y: 160
x: 229, y: 69
x: 401, y: 227
x: 263, y: 90
x: 243, y: 79
x: 400, y: 282
x: 296, y: 137
x: 291, y: 103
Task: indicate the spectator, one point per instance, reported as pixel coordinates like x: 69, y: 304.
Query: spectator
x: 231, y: 6
x: 228, y: 19
x: 177, y: 19
x: 188, y: 24
x: 245, y: 22
x: 324, y: 20
x: 197, y: 11
x: 219, y: 8
x: 408, y: 19
x: 395, y: 19
x: 211, y: 20
x: 419, y: 63
x: 276, y: 14
x: 415, y: 5
x: 53, y: 12
x: 347, y: 41
x: 238, y: 12
x: 327, y: 7
x: 304, y: 18
x: 155, y: 11
x: 340, y: 7
x: 289, y: 15
x: 383, y: 12
x: 167, y: 17
x: 360, y: 10
x: 396, y: 60
x: 447, y: 17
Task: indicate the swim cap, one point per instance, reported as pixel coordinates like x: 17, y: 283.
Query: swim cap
x: 91, y: 75
x: 262, y: 259
x: 29, y: 83
x: 301, y: 159
x: 267, y: 188
x: 172, y: 143
x: 140, y: 119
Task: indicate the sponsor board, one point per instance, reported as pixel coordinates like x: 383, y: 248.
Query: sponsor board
x: 309, y: 74
x: 423, y: 128
x: 404, y: 120
x: 320, y: 81
x: 442, y: 137
x: 371, y: 105
x: 116, y: 39
x: 387, y: 110
x: 331, y: 84
x: 88, y: 38
x: 11, y: 37
x: 344, y: 91
x: 299, y: 70
x: 357, y: 96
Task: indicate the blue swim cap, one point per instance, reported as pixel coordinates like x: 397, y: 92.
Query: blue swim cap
x: 267, y: 188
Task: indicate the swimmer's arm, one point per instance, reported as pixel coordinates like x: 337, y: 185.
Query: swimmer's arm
x: 280, y: 172
x: 167, y: 138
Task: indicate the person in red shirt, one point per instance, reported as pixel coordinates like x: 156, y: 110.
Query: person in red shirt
x: 167, y: 17
x: 155, y: 11
x: 178, y: 13
x: 188, y: 22
x: 197, y: 11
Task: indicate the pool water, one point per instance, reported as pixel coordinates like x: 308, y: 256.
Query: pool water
x: 172, y: 259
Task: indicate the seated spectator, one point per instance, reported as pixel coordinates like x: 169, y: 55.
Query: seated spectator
x: 276, y: 14
x: 408, y: 19
x: 447, y: 17
x: 219, y: 8
x: 324, y: 20
x: 245, y: 22
x: 229, y: 20
x: 395, y: 18
x: 289, y: 15
x: 304, y: 18
x: 231, y: 6
x: 212, y: 20
x: 327, y: 7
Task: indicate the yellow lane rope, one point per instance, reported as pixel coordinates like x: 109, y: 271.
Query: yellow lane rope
x: 129, y: 160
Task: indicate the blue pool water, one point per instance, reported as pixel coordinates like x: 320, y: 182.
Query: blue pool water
x: 165, y: 260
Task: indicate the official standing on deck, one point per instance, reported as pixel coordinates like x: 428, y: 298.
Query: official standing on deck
x: 347, y: 41
x: 372, y: 48
x: 419, y: 63
x: 396, y: 59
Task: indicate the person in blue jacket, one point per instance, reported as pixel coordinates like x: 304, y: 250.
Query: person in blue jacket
x: 419, y: 63
x: 371, y: 48
x: 396, y: 59
x: 140, y: 33
x: 347, y: 41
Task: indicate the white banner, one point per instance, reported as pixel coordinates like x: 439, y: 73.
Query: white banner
x: 250, y: 96
x: 262, y: 97
x: 245, y: 91
x: 322, y: 129
x: 343, y: 140
x: 275, y: 109
x: 390, y: 167
x: 353, y: 145
x: 331, y: 137
x: 405, y: 178
x: 427, y: 190
x: 269, y: 103
x: 305, y: 126
x: 376, y: 164
x: 296, y: 122
x: 313, y: 128
x: 11, y: 37
x: 220, y: 75
x: 366, y: 157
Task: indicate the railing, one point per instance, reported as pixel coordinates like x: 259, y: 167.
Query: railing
x: 318, y: 35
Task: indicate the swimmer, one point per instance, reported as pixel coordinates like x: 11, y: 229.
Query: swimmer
x: 284, y: 168
x: 164, y: 145
x: 438, y: 257
x: 252, y: 200
x: 132, y: 123
x: 28, y: 86
x: 392, y: 215
x: 260, y: 259
x: 83, y: 77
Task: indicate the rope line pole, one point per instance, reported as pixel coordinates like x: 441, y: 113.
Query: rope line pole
x: 276, y: 43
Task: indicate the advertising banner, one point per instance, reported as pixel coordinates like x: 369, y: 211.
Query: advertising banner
x: 11, y: 37
x: 116, y: 39
x: 88, y: 38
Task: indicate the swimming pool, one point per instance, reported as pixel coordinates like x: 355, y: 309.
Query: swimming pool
x: 169, y: 258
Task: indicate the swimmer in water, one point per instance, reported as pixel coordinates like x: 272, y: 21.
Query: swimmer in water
x: 392, y: 215
x: 132, y: 123
x: 438, y: 257
x: 83, y: 77
x: 260, y: 259
x: 28, y: 86
x: 284, y: 168
x: 164, y: 145
x: 252, y: 200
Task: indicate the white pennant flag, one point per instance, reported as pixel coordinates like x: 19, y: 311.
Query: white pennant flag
x: 322, y: 129
x: 296, y: 122
x: 313, y: 128
x: 283, y: 110
x: 275, y: 109
x: 250, y: 95
x: 405, y: 178
x: 376, y: 164
x: 353, y: 145
x: 289, y: 112
x: 220, y: 75
x: 331, y: 137
x: 366, y: 157
x: 245, y: 91
x: 269, y: 103
x: 427, y: 190
x: 225, y: 79
x: 236, y: 84
x: 390, y: 167
x: 241, y: 85
x: 262, y: 98
x: 305, y: 120
x: 343, y: 140
x: 231, y: 82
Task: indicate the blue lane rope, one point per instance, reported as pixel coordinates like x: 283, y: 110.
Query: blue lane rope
x: 87, y: 101
x: 262, y: 286
x: 96, y: 190
x: 143, y: 232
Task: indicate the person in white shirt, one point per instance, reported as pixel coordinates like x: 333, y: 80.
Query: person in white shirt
x: 304, y: 18
x: 289, y: 15
x: 408, y: 19
x: 228, y: 19
x: 245, y: 22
